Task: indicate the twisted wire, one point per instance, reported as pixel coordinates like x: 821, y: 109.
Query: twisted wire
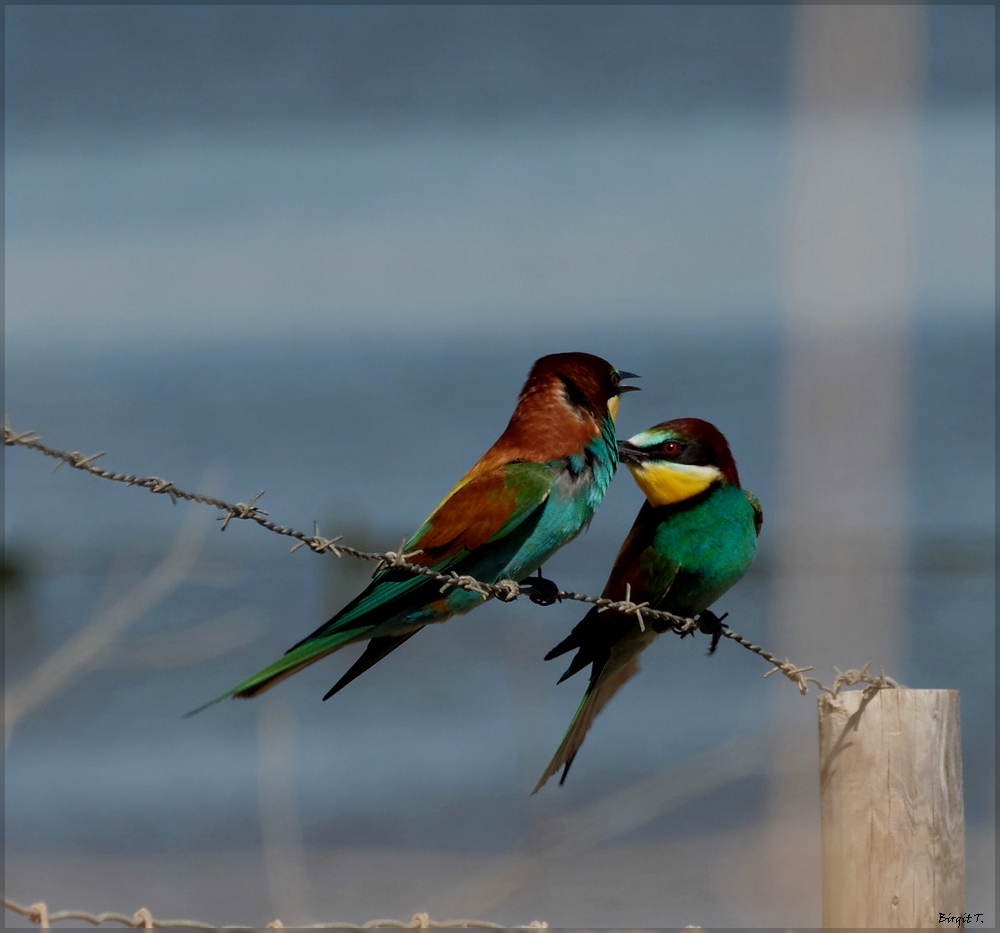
x: 504, y: 590
x: 38, y: 913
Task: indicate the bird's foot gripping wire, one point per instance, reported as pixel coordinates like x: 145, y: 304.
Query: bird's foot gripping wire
x: 711, y: 624
x: 541, y: 590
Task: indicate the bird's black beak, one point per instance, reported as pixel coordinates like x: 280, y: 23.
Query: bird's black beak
x: 629, y: 453
x: 622, y: 388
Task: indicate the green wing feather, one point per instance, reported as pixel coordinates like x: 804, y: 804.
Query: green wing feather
x: 455, y: 529
x: 758, y: 512
x: 612, y: 643
x: 483, y: 510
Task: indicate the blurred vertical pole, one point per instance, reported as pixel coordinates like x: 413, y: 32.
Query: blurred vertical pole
x: 280, y: 829
x: 855, y: 74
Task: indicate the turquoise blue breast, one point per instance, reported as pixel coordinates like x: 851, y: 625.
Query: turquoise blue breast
x: 580, y: 485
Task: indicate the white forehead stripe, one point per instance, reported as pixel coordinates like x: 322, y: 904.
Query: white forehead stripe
x: 648, y: 438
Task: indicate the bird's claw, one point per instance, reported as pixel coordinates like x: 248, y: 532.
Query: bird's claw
x: 711, y: 624
x: 540, y: 590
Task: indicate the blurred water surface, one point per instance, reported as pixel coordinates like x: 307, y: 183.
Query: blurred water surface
x: 314, y: 250
x: 441, y: 742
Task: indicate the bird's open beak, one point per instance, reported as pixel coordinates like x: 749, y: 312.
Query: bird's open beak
x: 629, y: 453
x: 622, y: 388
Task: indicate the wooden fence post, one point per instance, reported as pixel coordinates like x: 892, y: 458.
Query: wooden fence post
x: 891, y: 804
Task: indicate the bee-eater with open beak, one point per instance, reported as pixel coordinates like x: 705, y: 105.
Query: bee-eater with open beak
x: 532, y: 492
x: 694, y: 537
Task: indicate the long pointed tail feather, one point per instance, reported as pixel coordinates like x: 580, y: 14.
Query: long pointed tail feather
x: 375, y: 650
x: 583, y: 631
x: 291, y: 663
x: 594, y: 700
x: 597, y: 658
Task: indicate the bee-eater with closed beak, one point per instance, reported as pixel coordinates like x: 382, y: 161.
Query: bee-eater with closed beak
x: 532, y: 492
x: 694, y: 537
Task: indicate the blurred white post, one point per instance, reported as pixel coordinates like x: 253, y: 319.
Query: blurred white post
x: 280, y: 829
x: 842, y: 550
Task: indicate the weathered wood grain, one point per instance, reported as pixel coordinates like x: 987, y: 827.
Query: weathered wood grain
x: 891, y: 805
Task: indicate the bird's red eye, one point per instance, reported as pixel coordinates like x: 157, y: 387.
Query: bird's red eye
x: 671, y: 447
x: 615, y: 379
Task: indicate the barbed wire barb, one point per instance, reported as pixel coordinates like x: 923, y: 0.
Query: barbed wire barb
x: 39, y: 914
x: 504, y: 590
x: 242, y: 510
x: 636, y: 609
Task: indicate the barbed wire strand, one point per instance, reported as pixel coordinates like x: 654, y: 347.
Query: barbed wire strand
x: 38, y: 913
x: 504, y: 590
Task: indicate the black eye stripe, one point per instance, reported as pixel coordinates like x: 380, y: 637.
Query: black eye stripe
x: 689, y: 452
x: 574, y: 393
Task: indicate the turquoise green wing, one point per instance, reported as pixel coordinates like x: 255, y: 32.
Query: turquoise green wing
x: 483, y: 511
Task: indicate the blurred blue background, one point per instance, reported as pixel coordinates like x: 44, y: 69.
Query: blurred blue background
x: 314, y: 250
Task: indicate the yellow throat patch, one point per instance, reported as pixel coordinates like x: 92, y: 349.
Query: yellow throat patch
x: 613, y: 407
x: 667, y: 483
